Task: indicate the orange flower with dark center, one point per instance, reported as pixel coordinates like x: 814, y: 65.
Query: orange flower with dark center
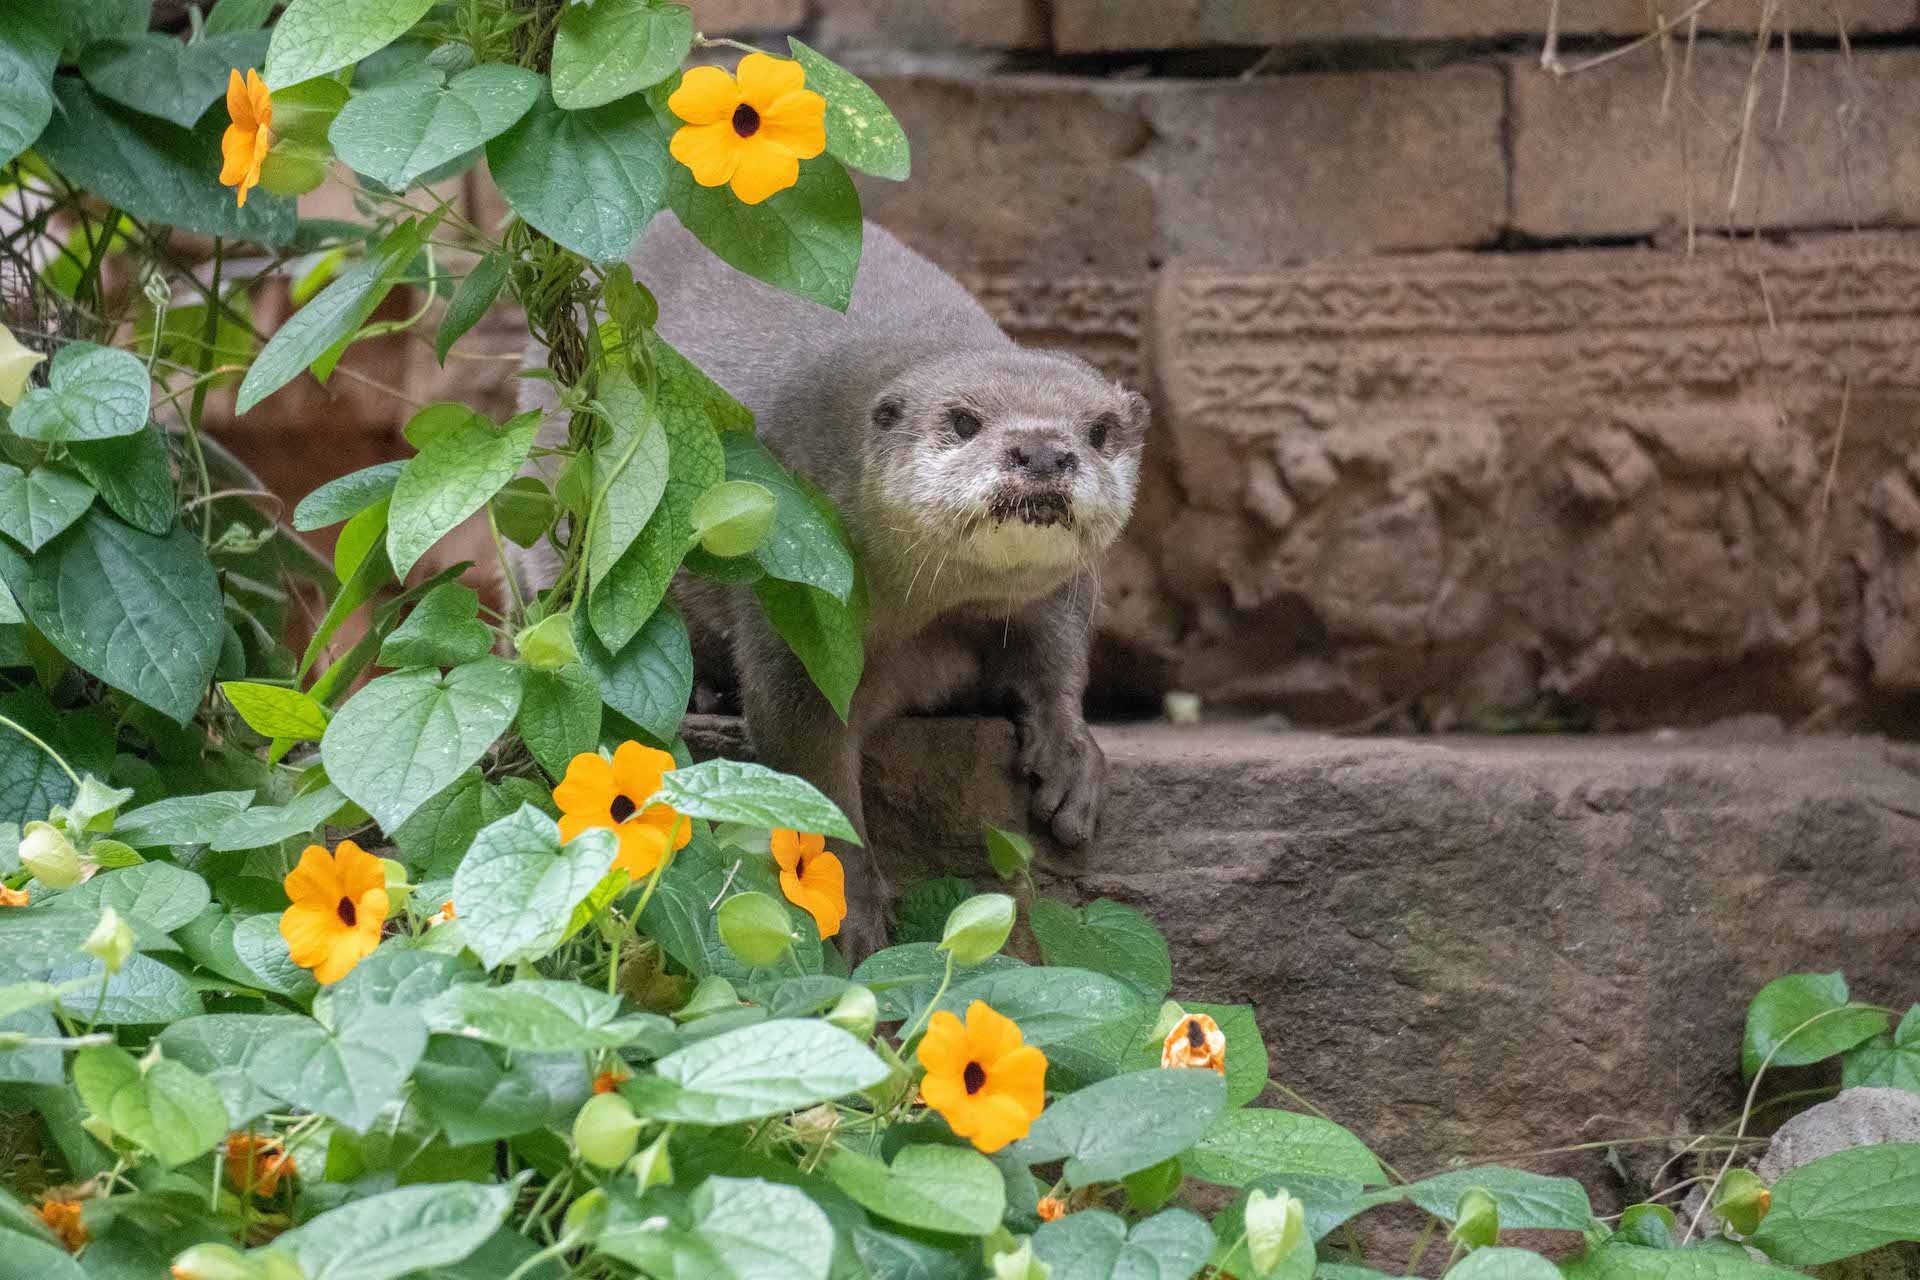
x: 1195, y: 1041
x: 12, y: 897
x: 64, y: 1217
x: 256, y: 1164
x: 339, y: 904
x: 610, y: 1081
x: 244, y: 146
x: 982, y: 1076
x: 812, y: 878
x: 1051, y: 1208
x: 598, y: 792
x: 751, y: 132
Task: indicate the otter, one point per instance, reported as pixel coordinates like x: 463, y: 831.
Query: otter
x: 980, y: 481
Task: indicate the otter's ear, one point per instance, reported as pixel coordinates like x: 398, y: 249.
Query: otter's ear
x: 888, y: 413
x: 1138, y: 414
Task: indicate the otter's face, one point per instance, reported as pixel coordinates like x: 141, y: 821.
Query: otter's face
x: 1024, y: 460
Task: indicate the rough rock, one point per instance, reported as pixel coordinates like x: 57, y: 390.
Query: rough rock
x: 1856, y: 1118
x: 933, y: 25
x: 720, y: 17
x: 1464, y: 946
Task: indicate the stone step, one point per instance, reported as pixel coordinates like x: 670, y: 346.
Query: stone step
x: 1465, y: 947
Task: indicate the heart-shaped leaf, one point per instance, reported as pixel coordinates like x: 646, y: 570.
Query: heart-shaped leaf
x: 163, y: 1107
x: 443, y: 630
x: 517, y: 887
x: 590, y: 179
x: 610, y: 49
x: 163, y: 76
x: 92, y: 393
x: 35, y: 505
x: 314, y: 37
x: 408, y: 127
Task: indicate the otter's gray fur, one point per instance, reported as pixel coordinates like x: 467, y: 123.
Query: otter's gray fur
x: 981, y: 483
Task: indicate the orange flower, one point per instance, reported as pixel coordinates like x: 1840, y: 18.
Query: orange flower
x: 64, y: 1217
x: 609, y: 1081
x: 1195, y: 1041
x: 1051, y: 1208
x: 812, y: 878
x: 339, y: 904
x: 255, y: 1165
x: 752, y: 132
x: 444, y: 914
x: 988, y: 1083
x: 12, y: 897
x: 601, y: 793
x: 247, y: 140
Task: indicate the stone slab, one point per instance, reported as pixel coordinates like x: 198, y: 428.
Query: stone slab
x: 1465, y: 947
x: 1613, y: 152
x: 935, y: 26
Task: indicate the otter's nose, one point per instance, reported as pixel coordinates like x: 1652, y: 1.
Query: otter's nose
x: 1040, y: 459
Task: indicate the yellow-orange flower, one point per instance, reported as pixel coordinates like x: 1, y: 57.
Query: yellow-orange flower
x: 12, y: 897
x: 444, y: 914
x: 610, y: 1081
x: 812, y: 878
x: 751, y: 132
x: 339, y: 904
x: 256, y: 1164
x: 1195, y: 1041
x: 982, y: 1076
x: 64, y: 1217
x: 1051, y: 1208
x: 601, y: 793
x: 244, y: 146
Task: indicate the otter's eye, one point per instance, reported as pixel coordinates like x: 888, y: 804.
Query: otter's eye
x: 965, y: 423
x: 1097, y: 433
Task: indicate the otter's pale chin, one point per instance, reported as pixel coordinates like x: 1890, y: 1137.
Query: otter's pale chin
x: 1017, y: 544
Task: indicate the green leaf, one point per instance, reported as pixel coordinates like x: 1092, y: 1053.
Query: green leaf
x: 1804, y: 1018
x: 410, y: 126
x: 732, y: 791
x: 592, y: 180
x: 275, y: 711
x: 950, y: 1189
x: 238, y: 15
x: 133, y: 475
x: 399, y: 974
x: 761, y: 1230
x: 827, y: 636
x: 805, y: 239
x: 648, y: 681
x: 478, y: 1093
x: 144, y: 991
x: 861, y: 132
x: 162, y: 75
x: 408, y: 735
x: 29, y: 50
x: 631, y: 590
x: 560, y: 716
x: 891, y: 1257
x: 158, y: 172
x: 92, y: 393
x: 733, y: 518
x: 1328, y: 1202
x: 472, y: 299
x: 1526, y: 1201
x: 1503, y: 1264
x: 349, y: 495
x: 1246, y: 1051
x: 389, y: 1235
x: 1844, y: 1204
x: 1888, y: 1061
x: 314, y: 37
x: 1054, y: 1007
x: 1105, y: 937
x: 151, y: 624
x: 1614, y: 1261
x: 608, y: 50
x: 165, y: 1109
x: 33, y: 1258
x: 333, y: 316
x: 450, y: 479
x: 220, y: 1047
x: 1124, y: 1124
x: 903, y: 978
x: 155, y: 897
x: 629, y: 470
x: 264, y: 825
x: 258, y: 944
x: 536, y: 1015
x: 347, y: 1072
x: 517, y: 887
x: 443, y: 630
x: 1244, y: 1144
x: 524, y: 510
x: 435, y: 838
x: 1096, y: 1245
x: 179, y: 819
x: 773, y: 1067
x: 37, y: 505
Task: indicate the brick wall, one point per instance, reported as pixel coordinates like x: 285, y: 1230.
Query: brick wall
x: 1470, y: 410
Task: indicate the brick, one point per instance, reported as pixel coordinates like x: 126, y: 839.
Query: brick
x: 1076, y: 174
x: 1595, y: 155
x: 1089, y: 26
x: 933, y: 25
x: 729, y: 17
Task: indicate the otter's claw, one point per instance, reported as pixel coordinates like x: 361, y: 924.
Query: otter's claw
x: 1068, y: 772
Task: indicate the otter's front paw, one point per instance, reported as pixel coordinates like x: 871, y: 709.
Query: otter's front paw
x: 1068, y: 772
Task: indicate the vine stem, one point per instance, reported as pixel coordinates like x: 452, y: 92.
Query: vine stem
x: 53, y: 755
x: 927, y: 1012
x: 554, y: 1250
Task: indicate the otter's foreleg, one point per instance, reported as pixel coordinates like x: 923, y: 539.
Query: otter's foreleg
x: 795, y: 730
x: 1040, y: 671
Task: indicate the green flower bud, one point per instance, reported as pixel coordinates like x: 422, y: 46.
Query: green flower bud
x: 606, y: 1131
x: 1020, y: 1264
x: 855, y: 1012
x: 1276, y: 1227
x: 714, y: 995
x: 755, y: 928
x: 293, y: 169
x: 399, y: 888
x: 1742, y: 1200
x: 586, y: 1216
x: 733, y: 517
x: 654, y: 1166
x: 213, y: 1262
x: 1476, y: 1221
x: 111, y: 941
x: 978, y: 928
x: 46, y: 851
x: 547, y: 645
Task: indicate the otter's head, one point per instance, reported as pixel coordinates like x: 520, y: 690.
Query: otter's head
x: 1020, y: 459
